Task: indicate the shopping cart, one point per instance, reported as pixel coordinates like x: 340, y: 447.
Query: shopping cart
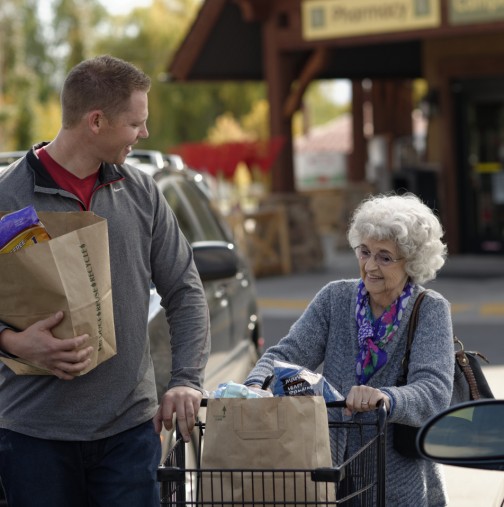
x: 358, y: 481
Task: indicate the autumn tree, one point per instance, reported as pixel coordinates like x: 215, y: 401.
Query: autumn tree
x: 37, y: 54
x: 179, y: 112
x: 22, y: 57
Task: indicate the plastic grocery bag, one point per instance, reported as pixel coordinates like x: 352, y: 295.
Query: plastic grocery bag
x: 293, y: 380
x: 70, y: 272
x: 278, y: 433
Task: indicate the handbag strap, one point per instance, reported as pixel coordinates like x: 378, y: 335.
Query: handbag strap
x: 465, y: 366
x: 412, y: 324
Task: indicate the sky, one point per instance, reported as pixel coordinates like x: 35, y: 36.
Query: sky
x: 116, y: 7
x: 340, y: 90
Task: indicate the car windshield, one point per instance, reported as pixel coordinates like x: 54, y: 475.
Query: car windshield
x: 191, y: 208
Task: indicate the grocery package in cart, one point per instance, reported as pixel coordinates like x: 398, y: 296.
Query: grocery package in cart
x: 280, y: 433
x: 297, y: 471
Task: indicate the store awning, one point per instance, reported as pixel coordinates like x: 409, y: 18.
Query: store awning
x: 223, y: 45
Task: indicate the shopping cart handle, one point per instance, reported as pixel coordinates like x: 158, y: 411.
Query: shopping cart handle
x: 336, y: 403
x: 329, y: 404
x: 342, y: 403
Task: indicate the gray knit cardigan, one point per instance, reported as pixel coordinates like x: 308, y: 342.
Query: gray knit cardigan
x: 326, y: 336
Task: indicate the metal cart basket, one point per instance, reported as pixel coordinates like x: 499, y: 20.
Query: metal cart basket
x: 358, y: 481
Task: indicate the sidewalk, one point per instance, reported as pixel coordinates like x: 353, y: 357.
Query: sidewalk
x: 467, y: 281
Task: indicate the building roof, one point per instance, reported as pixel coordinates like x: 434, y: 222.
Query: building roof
x: 223, y: 45
x: 335, y: 136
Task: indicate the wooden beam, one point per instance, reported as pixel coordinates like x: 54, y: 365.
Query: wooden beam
x: 189, y: 51
x: 315, y: 64
x: 358, y: 158
x: 254, y: 10
x: 279, y: 72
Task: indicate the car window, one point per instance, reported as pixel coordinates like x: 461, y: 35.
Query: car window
x: 176, y: 204
x: 193, y: 211
x: 6, y: 158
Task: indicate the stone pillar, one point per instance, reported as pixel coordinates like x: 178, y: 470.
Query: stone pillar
x: 306, y: 248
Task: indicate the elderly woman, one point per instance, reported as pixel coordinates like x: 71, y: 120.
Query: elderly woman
x: 357, y: 330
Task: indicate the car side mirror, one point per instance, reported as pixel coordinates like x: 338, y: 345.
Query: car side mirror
x: 215, y: 259
x: 469, y: 434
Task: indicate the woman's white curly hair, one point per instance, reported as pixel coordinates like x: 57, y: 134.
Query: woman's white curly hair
x: 407, y: 221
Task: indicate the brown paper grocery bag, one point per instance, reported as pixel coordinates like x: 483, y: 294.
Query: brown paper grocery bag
x: 280, y: 433
x: 71, y: 272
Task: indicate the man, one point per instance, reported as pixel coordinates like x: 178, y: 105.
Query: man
x: 81, y: 440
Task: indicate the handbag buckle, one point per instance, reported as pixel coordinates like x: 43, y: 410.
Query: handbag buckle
x: 460, y: 354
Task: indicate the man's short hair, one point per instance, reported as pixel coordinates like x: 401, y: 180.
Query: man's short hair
x: 103, y: 82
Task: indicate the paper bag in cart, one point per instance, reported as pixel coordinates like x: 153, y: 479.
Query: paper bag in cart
x: 70, y: 272
x: 280, y: 433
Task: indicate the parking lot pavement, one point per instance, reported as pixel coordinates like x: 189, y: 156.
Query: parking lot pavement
x: 472, y: 284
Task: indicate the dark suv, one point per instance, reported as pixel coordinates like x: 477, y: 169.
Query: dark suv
x: 229, y: 287
x: 228, y: 281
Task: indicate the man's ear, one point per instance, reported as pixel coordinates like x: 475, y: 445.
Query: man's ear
x: 95, y: 120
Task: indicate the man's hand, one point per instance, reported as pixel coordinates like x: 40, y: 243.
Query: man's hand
x: 37, y: 345
x: 185, y: 402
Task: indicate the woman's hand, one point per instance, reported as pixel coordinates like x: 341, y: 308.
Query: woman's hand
x: 365, y: 399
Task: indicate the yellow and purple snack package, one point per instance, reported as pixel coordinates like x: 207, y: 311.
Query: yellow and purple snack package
x: 21, y: 229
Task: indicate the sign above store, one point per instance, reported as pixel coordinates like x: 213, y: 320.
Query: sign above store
x: 329, y: 19
x: 475, y: 11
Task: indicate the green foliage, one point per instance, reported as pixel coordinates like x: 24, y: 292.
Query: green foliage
x: 19, y: 85
x: 256, y: 122
x: 193, y: 108
x: 36, y: 55
x: 179, y: 112
x: 73, y: 27
x: 320, y: 108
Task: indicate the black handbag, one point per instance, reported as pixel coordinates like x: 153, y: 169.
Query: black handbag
x: 469, y: 383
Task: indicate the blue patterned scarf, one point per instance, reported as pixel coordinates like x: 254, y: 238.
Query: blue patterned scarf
x: 374, y: 334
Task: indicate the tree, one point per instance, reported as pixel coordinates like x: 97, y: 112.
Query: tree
x: 37, y: 54
x: 74, y: 24
x: 179, y: 112
x: 19, y: 87
x: 30, y: 77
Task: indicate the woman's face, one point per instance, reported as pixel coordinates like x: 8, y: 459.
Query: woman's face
x: 381, y: 269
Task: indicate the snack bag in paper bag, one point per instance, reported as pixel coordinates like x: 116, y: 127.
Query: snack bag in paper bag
x: 70, y: 272
x: 21, y: 229
x: 287, y: 434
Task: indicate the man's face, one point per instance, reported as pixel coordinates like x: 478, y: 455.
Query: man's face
x: 120, y: 134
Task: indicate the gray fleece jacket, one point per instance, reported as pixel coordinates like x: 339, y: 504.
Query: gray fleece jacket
x: 326, y: 334
x: 145, y: 244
